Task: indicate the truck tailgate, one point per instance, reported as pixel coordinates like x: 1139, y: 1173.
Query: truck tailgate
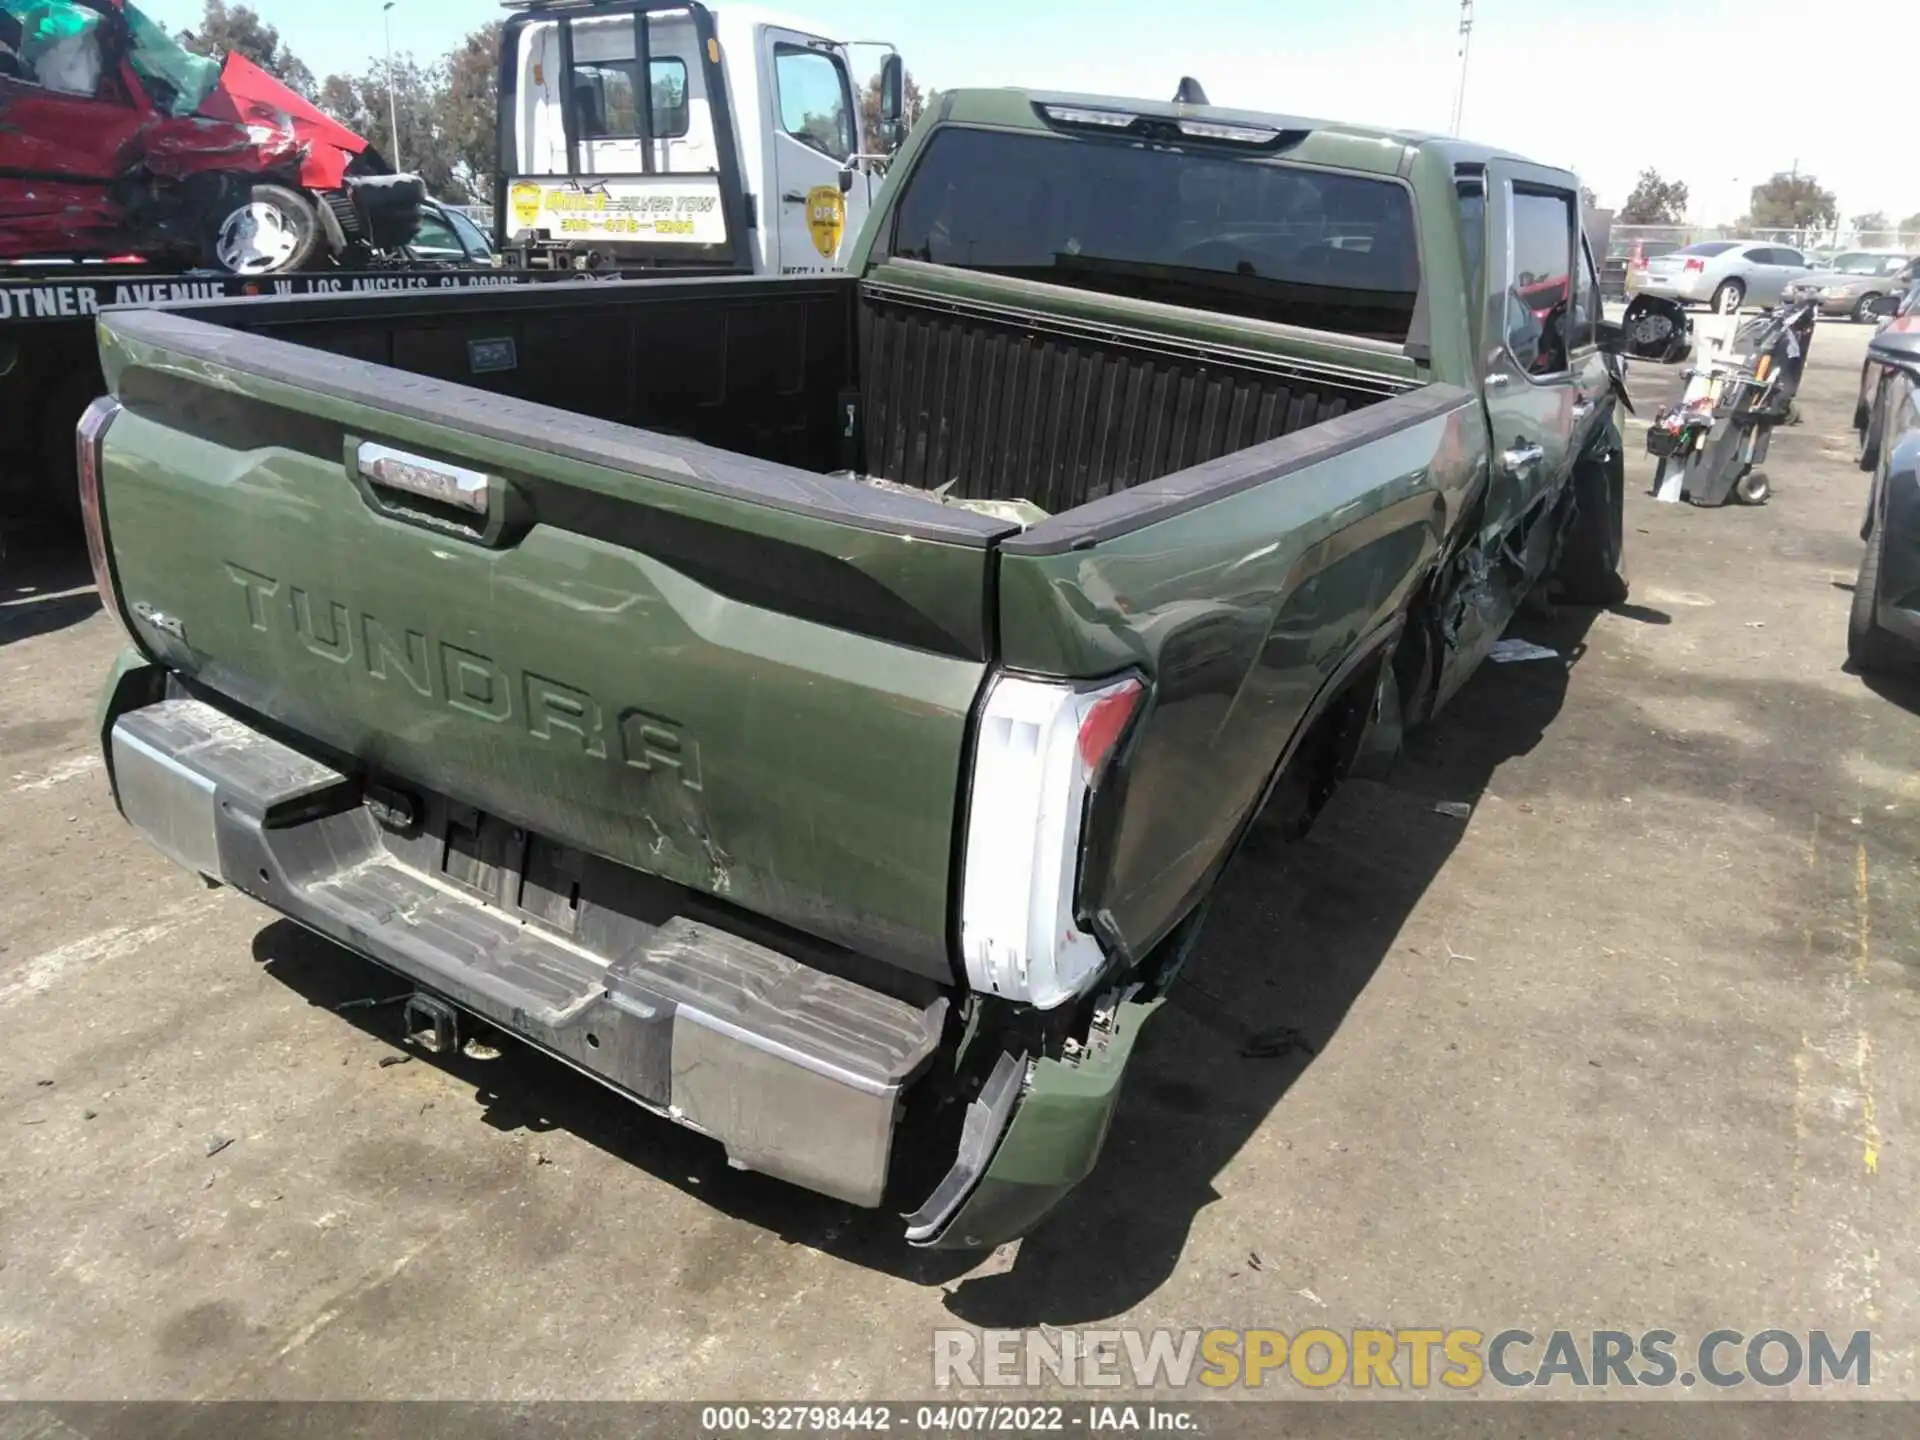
x: 729, y: 674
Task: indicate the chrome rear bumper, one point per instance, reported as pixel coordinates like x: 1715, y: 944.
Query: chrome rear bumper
x: 797, y: 1071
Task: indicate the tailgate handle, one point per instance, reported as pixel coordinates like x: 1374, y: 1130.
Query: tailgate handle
x: 434, y: 493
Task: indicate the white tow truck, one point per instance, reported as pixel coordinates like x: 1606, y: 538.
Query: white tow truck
x: 747, y: 153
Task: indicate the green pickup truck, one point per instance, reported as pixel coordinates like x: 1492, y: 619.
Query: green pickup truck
x: 820, y: 708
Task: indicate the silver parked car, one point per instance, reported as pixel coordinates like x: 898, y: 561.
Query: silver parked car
x: 1852, y: 283
x: 1725, y: 274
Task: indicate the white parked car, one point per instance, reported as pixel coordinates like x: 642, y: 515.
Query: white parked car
x: 1725, y: 274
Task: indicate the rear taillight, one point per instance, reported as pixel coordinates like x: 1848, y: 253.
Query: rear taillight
x: 1039, y: 749
x: 89, y: 439
x: 1693, y: 265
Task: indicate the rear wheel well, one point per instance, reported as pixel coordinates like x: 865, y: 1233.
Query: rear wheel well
x: 1325, y: 754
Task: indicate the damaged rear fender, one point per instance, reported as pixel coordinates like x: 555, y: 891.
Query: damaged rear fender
x: 1043, y: 1136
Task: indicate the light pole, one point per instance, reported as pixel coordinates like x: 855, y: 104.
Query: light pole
x: 1466, y: 34
x: 393, y: 107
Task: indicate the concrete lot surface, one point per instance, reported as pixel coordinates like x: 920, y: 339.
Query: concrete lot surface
x: 1633, y: 1045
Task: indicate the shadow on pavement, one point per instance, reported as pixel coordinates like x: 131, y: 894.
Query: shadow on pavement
x: 1296, y: 933
x: 1294, y: 936
x: 527, y: 1090
x: 1901, y: 690
x: 45, y: 585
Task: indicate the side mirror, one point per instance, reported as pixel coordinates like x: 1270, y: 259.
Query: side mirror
x: 846, y: 181
x: 1886, y: 305
x: 893, y: 93
x: 1894, y: 346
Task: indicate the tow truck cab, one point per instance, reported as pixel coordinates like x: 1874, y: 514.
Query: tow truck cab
x: 748, y: 157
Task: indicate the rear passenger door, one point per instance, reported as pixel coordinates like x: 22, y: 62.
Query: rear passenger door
x: 1532, y: 390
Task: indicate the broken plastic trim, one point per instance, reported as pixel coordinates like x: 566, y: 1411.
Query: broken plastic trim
x: 1053, y: 1140
x: 980, y: 1133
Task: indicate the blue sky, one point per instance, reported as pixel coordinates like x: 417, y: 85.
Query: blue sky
x: 1558, y: 80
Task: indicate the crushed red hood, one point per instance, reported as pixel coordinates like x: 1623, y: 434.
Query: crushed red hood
x: 281, y: 125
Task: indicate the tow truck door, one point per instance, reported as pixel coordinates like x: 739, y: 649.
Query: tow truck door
x: 815, y: 133
x: 1533, y: 391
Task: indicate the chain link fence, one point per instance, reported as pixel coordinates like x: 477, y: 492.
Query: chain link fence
x: 1664, y: 239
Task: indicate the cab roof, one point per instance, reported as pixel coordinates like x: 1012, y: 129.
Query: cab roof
x: 1358, y: 146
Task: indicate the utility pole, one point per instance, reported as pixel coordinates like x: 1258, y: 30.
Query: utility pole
x: 393, y: 107
x: 1466, y: 34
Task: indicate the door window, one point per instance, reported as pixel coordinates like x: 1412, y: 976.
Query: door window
x: 436, y: 238
x: 603, y: 99
x: 177, y: 81
x: 1586, y: 312
x: 53, y: 44
x: 1473, y: 235
x: 816, y: 102
x: 1539, y: 287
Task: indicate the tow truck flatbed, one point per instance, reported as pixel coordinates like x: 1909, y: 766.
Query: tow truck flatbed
x: 44, y: 294
x: 50, y: 364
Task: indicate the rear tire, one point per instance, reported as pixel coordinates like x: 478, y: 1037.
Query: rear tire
x: 1592, y: 569
x: 267, y: 230
x: 1728, y: 297
x: 1753, y: 488
x: 1869, y: 648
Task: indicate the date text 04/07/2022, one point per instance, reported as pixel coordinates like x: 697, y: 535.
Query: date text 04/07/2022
x: 946, y: 1419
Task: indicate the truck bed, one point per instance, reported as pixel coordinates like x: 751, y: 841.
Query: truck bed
x: 672, y: 637
x: 529, y: 643
x: 1007, y: 394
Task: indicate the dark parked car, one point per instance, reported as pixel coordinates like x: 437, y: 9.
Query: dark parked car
x: 1883, y: 631
x: 1865, y: 414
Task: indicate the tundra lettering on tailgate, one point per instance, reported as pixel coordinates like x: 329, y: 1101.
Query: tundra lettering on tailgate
x: 465, y: 679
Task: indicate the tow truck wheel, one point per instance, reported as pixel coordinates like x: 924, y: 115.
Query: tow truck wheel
x: 1727, y: 299
x: 1863, y: 310
x: 271, y: 231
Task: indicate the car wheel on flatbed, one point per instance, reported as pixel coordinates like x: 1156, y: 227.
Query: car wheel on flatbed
x: 271, y: 230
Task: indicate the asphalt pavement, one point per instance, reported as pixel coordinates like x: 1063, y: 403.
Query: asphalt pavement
x: 1631, y: 1044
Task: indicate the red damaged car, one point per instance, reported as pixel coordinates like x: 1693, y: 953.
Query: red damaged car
x: 114, y: 139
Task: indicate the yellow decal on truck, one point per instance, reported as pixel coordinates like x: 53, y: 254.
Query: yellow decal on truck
x: 826, y: 218
x: 673, y: 209
x: 525, y: 199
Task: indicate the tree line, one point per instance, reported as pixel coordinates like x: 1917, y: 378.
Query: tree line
x: 1786, y: 200
x: 445, y: 109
